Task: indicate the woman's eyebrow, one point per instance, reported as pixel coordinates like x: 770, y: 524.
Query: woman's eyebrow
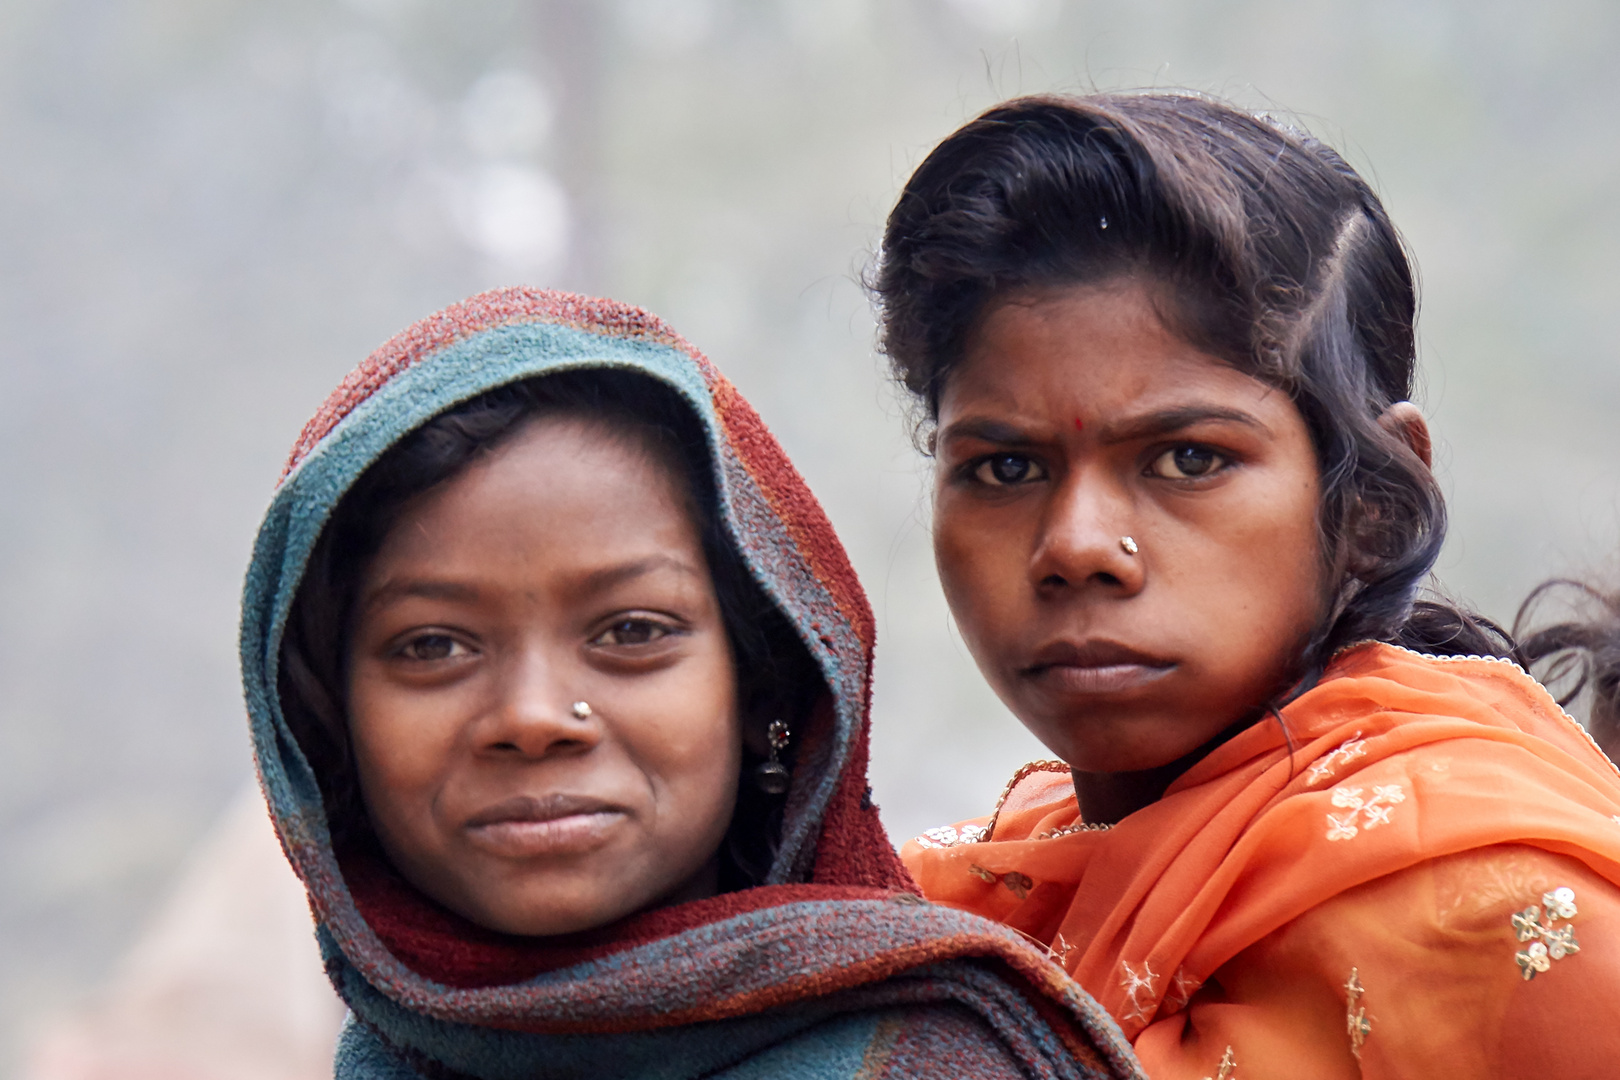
x: 1168, y: 421
x: 419, y: 588
x: 984, y: 429
x: 609, y: 576
x: 593, y: 582
x: 1146, y: 426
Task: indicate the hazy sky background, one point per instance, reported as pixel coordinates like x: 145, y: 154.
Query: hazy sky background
x: 210, y: 211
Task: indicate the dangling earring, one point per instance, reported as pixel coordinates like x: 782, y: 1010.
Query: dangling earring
x: 772, y: 776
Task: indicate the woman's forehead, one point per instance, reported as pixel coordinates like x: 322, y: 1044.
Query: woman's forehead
x: 563, y: 479
x: 1102, y: 354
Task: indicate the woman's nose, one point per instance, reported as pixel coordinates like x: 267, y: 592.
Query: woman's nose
x: 539, y: 711
x: 1087, y: 540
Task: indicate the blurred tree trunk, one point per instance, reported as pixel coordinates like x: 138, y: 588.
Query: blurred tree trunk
x: 573, y: 41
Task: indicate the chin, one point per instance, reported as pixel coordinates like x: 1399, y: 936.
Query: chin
x: 1107, y: 762
x: 542, y: 922
x: 1118, y: 746
x: 531, y: 913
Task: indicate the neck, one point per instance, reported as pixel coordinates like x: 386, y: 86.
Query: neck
x: 1106, y: 798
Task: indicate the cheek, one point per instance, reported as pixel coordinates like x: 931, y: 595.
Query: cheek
x: 1295, y: 556
x: 953, y: 558
x: 690, y: 744
x: 973, y: 565
x: 1271, y: 555
x: 402, y: 746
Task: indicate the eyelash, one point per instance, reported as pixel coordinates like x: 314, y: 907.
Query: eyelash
x: 457, y: 649
x: 980, y: 470
x: 403, y: 652
x: 663, y: 630
x: 974, y: 470
x: 1221, y: 461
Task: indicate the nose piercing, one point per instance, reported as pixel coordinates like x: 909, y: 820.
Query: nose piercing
x: 1128, y: 545
x: 582, y: 710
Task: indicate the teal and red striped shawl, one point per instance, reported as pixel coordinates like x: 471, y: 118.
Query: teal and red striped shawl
x: 833, y: 968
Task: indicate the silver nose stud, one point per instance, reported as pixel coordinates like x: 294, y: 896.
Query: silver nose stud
x: 582, y: 710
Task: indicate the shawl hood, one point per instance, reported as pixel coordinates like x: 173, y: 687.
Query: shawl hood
x: 780, y: 530
x: 836, y: 916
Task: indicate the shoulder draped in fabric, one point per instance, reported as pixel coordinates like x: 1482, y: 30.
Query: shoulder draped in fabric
x: 1352, y: 883
x: 833, y: 968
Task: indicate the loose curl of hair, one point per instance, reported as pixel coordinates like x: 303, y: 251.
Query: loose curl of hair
x: 776, y: 676
x: 1578, y: 654
x: 1270, y: 252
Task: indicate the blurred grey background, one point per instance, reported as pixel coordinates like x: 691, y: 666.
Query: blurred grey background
x: 210, y: 211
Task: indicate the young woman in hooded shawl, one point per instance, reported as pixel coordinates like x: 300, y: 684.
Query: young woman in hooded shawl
x: 1304, y: 824
x: 558, y: 681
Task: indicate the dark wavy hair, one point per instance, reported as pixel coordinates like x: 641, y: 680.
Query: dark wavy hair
x: 1273, y: 255
x: 776, y: 675
x: 1580, y: 654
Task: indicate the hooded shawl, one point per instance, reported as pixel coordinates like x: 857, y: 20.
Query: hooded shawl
x: 833, y: 968
x: 1358, y: 890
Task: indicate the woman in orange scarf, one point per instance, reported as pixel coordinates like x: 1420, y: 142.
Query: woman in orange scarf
x: 1304, y: 824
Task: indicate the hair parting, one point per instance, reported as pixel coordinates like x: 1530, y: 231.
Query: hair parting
x: 1265, y: 248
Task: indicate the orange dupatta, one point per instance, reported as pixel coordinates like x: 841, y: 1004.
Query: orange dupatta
x: 1396, y: 759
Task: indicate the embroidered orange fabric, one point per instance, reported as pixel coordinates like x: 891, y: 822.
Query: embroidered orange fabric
x: 1339, y: 907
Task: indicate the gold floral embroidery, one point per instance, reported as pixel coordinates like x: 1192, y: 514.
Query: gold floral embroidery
x: 1372, y: 812
x: 1059, y: 951
x: 949, y: 836
x: 1137, y: 983
x: 1018, y: 884
x: 1548, y: 942
x: 1227, y: 1069
x: 1353, y: 747
x: 1356, y: 1023
x: 1182, y: 988
x: 1473, y: 885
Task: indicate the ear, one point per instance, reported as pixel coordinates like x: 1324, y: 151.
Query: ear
x: 1406, y: 423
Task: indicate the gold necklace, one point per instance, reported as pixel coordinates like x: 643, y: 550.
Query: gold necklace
x: 1079, y: 826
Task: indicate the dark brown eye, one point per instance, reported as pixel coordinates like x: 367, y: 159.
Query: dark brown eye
x: 1005, y: 470
x: 631, y: 632
x: 1186, y: 463
x: 428, y: 647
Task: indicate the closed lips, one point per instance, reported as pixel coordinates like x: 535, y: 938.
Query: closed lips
x: 526, y: 827
x: 1093, y: 654
x: 1095, y: 667
x: 548, y: 808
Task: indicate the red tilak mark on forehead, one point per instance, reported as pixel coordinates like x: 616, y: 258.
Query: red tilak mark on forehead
x: 1079, y: 425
